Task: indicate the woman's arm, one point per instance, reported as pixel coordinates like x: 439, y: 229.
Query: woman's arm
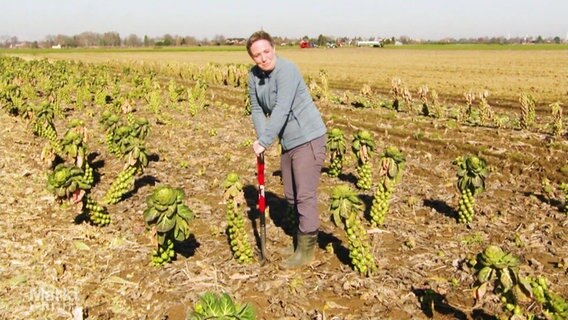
x: 286, y: 83
x: 257, y: 113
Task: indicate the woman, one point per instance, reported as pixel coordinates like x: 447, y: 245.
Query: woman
x: 282, y: 108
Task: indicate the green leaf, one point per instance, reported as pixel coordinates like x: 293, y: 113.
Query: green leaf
x: 247, y: 312
x: 161, y: 238
x: 60, y: 192
x: 392, y: 170
x: 336, y: 218
x: 83, y: 185
x: 557, y: 305
x: 180, y: 195
x: 334, y: 204
x: 509, y: 260
x: 208, y: 303
x: 170, y: 212
x: 184, y: 212
x: 181, y: 231
x: 354, y: 199
x: 356, y: 145
x: 151, y: 214
x: 226, y: 305
x: 484, y: 274
x: 179, y: 234
x: 143, y: 159
x: 477, y: 182
x: 165, y: 224
x: 462, y: 183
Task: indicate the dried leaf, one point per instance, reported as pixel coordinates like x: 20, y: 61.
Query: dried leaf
x: 16, y: 280
x: 480, y: 291
x: 81, y: 246
x: 119, y: 280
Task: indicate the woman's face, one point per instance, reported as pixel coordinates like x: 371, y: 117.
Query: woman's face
x: 263, y: 54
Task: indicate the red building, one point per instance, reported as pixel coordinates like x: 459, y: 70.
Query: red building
x: 305, y: 44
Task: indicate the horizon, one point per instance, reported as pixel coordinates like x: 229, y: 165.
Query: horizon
x: 160, y: 37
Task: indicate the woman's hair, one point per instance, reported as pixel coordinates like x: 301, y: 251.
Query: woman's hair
x: 259, y: 35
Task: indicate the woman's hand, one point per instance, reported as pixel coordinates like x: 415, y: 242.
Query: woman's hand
x: 257, y: 148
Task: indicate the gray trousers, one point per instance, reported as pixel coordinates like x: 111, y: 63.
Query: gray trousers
x: 301, y: 169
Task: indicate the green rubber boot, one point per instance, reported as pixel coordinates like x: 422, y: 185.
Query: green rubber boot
x: 304, y: 253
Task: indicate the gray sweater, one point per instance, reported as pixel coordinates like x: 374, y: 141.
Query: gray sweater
x: 282, y: 106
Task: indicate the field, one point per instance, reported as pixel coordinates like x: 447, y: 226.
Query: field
x: 56, y: 263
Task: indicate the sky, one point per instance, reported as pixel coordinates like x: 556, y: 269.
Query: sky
x: 31, y: 20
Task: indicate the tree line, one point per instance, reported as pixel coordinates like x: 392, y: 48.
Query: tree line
x: 110, y: 39
x: 113, y: 39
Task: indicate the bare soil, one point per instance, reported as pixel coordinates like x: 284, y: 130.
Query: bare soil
x: 54, y: 264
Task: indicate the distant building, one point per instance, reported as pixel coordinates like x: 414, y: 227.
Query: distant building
x: 235, y: 41
x: 305, y: 44
x: 374, y: 43
x: 19, y: 45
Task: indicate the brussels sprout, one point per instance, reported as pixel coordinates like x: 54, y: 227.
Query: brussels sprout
x: 60, y: 176
x: 164, y: 195
x: 231, y: 179
x: 105, y: 115
x: 336, y: 132
x: 473, y: 162
x: 365, y: 135
x: 491, y: 255
x: 113, y: 119
x: 73, y: 123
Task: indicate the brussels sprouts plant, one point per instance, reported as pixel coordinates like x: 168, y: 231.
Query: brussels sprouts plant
x: 170, y: 219
x: 238, y: 237
x: 363, y: 146
x: 345, y: 208
x: 472, y: 172
x: 336, y: 149
x: 213, y: 306
x: 390, y: 173
x: 67, y: 181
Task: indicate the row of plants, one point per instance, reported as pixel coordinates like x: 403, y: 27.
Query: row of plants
x: 471, y: 172
x: 475, y: 110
